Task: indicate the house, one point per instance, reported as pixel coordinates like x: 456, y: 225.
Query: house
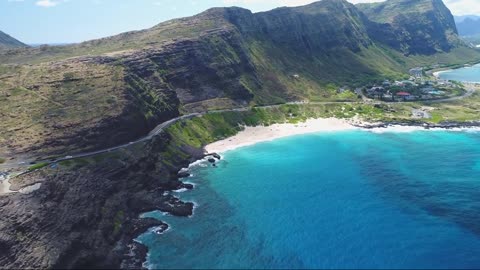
x: 416, y: 72
x: 375, y: 91
x: 405, y: 96
x: 427, y: 89
x: 342, y: 89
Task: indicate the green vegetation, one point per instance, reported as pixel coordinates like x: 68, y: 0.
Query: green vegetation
x: 38, y: 166
x: 216, y: 126
x: 118, y: 221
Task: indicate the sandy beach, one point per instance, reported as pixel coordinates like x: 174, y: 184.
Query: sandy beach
x: 253, y: 135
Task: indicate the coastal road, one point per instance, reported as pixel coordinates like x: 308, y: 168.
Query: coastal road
x: 158, y: 129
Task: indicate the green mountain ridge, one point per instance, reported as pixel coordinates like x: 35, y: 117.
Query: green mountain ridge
x: 221, y: 58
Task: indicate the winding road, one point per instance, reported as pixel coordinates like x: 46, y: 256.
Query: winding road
x: 158, y: 129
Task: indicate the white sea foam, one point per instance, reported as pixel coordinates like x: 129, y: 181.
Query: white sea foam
x: 195, y: 206
x: 199, y: 163
x: 158, y: 230
x: 185, y: 189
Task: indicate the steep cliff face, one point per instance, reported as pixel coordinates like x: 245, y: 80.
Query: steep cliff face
x: 413, y: 26
x: 202, y: 73
x: 8, y: 42
x: 320, y: 26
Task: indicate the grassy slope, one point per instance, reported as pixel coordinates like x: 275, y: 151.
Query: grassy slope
x: 322, y: 74
x: 40, y: 103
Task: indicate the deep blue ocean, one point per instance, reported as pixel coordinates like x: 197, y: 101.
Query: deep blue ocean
x: 353, y: 199
x: 468, y: 74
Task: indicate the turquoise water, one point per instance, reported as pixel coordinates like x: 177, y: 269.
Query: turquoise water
x: 468, y: 74
x: 334, y: 200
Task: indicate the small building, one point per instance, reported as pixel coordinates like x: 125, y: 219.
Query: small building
x: 427, y: 89
x: 416, y: 72
x: 405, y: 96
x: 376, y: 91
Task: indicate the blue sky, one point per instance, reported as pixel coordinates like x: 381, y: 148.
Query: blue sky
x: 67, y: 21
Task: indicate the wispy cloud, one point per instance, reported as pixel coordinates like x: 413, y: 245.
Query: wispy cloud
x: 47, y: 3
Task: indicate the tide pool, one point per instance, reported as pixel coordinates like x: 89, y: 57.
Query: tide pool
x: 332, y: 200
x: 467, y: 74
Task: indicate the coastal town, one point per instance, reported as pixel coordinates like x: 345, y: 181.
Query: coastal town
x: 418, y: 87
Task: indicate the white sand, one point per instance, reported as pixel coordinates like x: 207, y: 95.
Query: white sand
x: 437, y: 73
x: 253, y: 135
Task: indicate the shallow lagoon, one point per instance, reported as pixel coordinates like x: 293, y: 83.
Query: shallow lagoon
x: 333, y: 200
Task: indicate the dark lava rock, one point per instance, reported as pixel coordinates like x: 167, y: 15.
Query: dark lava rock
x: 188, y: 186
x: 212, y: 160
x: 183, y: 174
x: 177, y: 207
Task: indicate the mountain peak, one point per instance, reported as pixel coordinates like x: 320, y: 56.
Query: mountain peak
x: 6, y: 41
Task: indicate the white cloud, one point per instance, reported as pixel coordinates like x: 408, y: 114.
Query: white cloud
x: 46, y: 3
x: 463, y: 7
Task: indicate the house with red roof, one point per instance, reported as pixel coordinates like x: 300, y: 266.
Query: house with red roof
x: 405, y: 96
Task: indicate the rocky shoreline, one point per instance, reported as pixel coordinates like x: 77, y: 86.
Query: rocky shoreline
x: 137, y: 258
x: 122, y: 191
